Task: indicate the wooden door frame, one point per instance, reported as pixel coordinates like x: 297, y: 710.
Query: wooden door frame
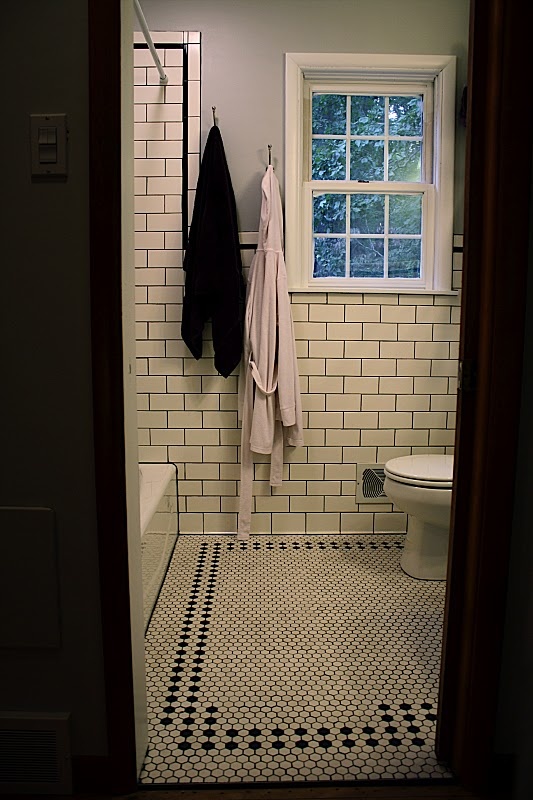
x: 492, y: 337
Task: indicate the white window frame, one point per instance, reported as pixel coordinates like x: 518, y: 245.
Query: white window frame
x: 434, y: 76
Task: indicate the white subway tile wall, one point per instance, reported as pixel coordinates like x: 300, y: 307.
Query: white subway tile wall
x: 378, y: 371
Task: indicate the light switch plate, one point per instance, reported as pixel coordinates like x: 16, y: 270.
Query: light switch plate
x: 48, y: 141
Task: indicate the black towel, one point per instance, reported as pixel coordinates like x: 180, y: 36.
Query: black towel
x: 214, y: 286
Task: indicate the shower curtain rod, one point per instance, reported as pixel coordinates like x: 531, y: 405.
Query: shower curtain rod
x: 144, y: 27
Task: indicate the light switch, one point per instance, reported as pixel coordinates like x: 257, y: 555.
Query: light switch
x: 48, y: 145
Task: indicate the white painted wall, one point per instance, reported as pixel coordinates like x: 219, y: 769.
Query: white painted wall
x: 243, y: 46
x: 46, y: 396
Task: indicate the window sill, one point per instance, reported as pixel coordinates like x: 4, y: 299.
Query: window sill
x: 371, y: 290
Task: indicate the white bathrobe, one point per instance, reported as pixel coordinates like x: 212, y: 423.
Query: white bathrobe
x: 269, y: 392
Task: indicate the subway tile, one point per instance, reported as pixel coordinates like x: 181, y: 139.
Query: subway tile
x: 173, y: 131
x: 342, y: 437
x: 149, y: 167
x: 194, y: 402
x: 343, y: 366
x: 323, y: 487
x: 186, y: 384
x: 332, y: 455
x: 325, y: 419
x: 261, y: 523
x: 380, y: 331
x: 416, y: 332
x: 166, y: 436
x: 451, y: 419
x: 390, y: 522
x: 362, y: 385
x: 166, y: 366
x: 148, y: 204
x: 398, y: 313
x: 343, y: 330
x: 381, y: 299
x: 143, y: 435
x: 432, y: 350
x: 230, y: 472
x: 355, y: 349
x: 139, y: 186
x: 300, y: 313
x: 288, y: 523
x: 314, y: 437
x: 139, y: 76
x: 344, y: 299
x: 362, y: 313
x: 164, y: 186
x: 173, y: 166
x: 228, y: 402
x: 447, y: 333
x: 312, y: 366
x: 301, y: 348
x: 151, y: 384
x: 143, y: 58
x: 416, y: 299
x: 378, y: 366
x: 322, y: 523
x: 152, y: 419
x: 173, y: 73
x: 203, y: 504
x: 444, y: 368
x: 166, y: 402
x: 307, y: 472
x: 148, y: 241
x: 185, y: 419
x: 342, y: 402
x: 339, y: 472
x: 191, y: 523
x: 339, y: 503
x: 378, y: 402
x: 165, y: 258
x: 185, y: 453
x: 174, y: 58
x: 386, y: 453
x: 202, y: 472
x: 220, y: 523
x: 139, y: 114
x: 377, y: 437
x: 349, y: 488
x: 163, y: 222
x: 272, y: 504
x: 230, y: 436
x: 141, y: 258
x: 395, y: 419
x: 357, y: 522
x: 164, y: 294
x: 315, y: 402
x: 442, y: 437
x: 149, y: 313
x: 325, y: 385
x: 220, y: 419
x: 140, y: 222
x: 431, y: 385
x: 164, y: 330
x: 173, y: 240
x: 149, y: 131
x: 456, y: 315
x: 152, y: 454
x: 326, y: 313
x: 414, y: 367
x: 325, y: 349
x: 139, y: 149
x: 194, y: 61
x: 361, y: 419
x: 164, y: 112
x: 443, y: 402
x: 409, y: 438
x: 141, y: 330
x: 307, y: 504
x: 433, y: 314
x: 218, y: 384
x: 227, y: 488
x: 141, y: 296
x: 396, y: 385
x: 309, y: 330
x: 221, y: 453
x: 429, y: 419
x: 172, y: 204
x: 396, y: 349
x: 412, y: 402
x: 359, y: 455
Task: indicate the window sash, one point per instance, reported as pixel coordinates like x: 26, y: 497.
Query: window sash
x: 387, y: 188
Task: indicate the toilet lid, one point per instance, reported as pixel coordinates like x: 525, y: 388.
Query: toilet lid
x: 435, y: 471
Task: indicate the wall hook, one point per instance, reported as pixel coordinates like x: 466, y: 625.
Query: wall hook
x: 213, y: 109
x: 269, y: 155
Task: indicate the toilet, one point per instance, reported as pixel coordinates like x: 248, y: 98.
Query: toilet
x: 421, y: 486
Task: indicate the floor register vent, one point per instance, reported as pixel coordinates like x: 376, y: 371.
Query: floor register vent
x: 370, y: 480
x: 35, y: 754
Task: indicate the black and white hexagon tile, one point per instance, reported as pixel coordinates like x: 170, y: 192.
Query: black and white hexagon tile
x: 292, y: 658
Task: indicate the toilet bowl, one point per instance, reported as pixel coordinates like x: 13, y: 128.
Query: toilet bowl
x: 421, y: 486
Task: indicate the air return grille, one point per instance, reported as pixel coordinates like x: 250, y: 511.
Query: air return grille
x: 370, y: 479
x: 34, y: 754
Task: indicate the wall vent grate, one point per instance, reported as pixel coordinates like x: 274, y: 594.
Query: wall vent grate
x: 35, y: 754
x: 370, y: 480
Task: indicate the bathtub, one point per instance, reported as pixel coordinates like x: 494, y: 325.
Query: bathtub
x: 159, y: 528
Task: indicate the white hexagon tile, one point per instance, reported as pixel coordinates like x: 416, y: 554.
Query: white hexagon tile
x: 292, y: 658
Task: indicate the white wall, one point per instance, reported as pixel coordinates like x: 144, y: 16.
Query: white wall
x: 45, y: 401
x: 244, y: 42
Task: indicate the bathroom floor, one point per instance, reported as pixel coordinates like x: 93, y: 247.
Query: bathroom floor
x: 292, y: 658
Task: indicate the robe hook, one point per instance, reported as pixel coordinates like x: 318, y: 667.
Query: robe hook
x: 213, y: 109
x: 269, y: 155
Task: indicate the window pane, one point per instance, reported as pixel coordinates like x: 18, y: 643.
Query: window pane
x: 329, y: 114
x: 330, y: 258
x: 366, y: 160
x: 405, y: 160
x: 329, y: 213
x: 405, y: 213
x: 329, y: 160
x: 366, y: 258
x: 367, y: 213
x: 405, y: 116
x: 367, y: 116
x: 404, y: 258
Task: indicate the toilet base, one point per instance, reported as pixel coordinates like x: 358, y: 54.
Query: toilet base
x: 425, y: 553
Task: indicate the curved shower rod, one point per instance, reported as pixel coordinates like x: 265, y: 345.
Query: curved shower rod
x: 163, y: 79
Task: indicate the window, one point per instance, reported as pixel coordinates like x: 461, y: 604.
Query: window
x: 369, y: 173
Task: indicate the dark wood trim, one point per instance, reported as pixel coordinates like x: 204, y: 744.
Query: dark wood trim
x: 106, y: 327
x: 497, y: 196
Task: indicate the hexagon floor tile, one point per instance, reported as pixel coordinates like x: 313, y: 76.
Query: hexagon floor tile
x: 292, y: 658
